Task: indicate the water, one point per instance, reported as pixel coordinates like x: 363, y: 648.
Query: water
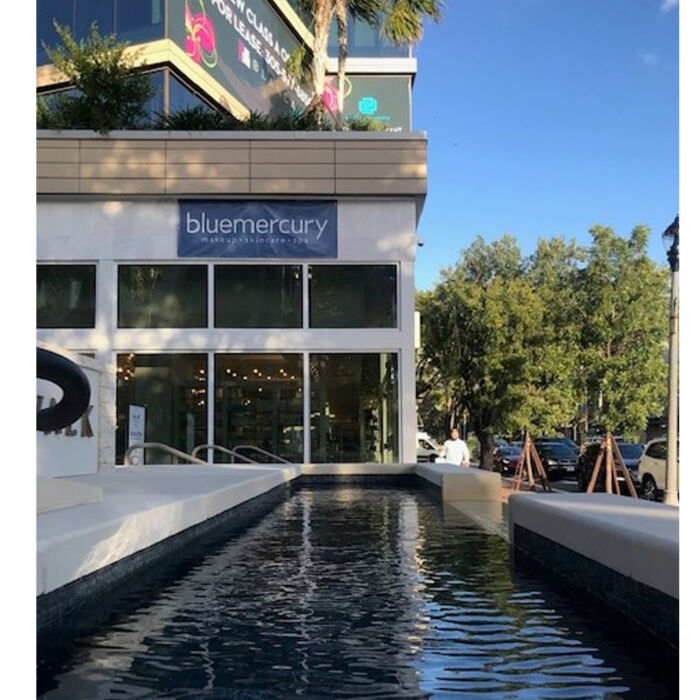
x: 353, y: 593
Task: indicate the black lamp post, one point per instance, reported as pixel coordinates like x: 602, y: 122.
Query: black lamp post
x: 671, y: 241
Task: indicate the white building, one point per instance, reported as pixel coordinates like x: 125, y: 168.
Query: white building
x: 285, y: 328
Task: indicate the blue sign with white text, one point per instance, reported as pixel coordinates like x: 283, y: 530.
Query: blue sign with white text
x: 257, y: 229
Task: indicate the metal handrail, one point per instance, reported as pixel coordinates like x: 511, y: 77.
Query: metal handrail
x: 255, y: 448
x: 158, y: 446
x: 213, y: 447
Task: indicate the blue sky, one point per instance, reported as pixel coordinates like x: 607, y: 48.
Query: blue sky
x: 545, y: 117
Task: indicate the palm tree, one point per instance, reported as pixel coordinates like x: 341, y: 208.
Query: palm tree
x: 400, y: 21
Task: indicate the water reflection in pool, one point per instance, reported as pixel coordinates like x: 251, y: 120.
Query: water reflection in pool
x: 349, y: 593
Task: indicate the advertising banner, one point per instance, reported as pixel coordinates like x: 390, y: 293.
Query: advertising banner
x: 260, y: 229
x: 386, y: 99
x: 136, y: 427
x: 245, y: 45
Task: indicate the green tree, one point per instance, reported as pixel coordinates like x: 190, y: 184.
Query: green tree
x: 625, y: 298
x: 112, y: 94
x: 479, y: 322
x: 554, y: 390
x: 401, y: 21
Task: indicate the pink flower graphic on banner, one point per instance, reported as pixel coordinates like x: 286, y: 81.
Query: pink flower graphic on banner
x: 330, y: 96
x: 200, y: 42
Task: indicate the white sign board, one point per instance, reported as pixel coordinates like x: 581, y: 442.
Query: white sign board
x: 136, y: 423
x: 73, y: 450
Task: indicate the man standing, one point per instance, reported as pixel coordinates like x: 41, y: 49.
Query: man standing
x: 456, y: 450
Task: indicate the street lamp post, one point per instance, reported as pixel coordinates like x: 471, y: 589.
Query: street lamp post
x: 671, y: 239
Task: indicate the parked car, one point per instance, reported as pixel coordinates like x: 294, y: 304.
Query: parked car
x: 631, y: 453
x: 558, y: 459
x: 506, y: 458
x: 652, y: 470
x: 558, y: 438
x: 427, y: 450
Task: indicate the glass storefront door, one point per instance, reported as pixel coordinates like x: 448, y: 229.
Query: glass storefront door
x: 354, y: 408
x: 173, y: 390
x: 259, y: 402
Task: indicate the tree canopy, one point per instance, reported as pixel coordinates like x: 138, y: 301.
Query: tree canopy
x: 109, y: 92
x: 514, y: 342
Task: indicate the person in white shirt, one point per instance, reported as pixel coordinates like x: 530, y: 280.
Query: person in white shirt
x: 455, y: 451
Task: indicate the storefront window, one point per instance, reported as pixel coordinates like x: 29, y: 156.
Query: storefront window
x: 354, y: 408
x: 352, y: 296
x: 259, y: 402
x: 65, y: 296
x: 162, y: 296
x: 173, y: 391
x: 258, y: 296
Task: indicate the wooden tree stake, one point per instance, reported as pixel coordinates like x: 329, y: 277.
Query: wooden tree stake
x: 614, y: 465
x: 528, y: 455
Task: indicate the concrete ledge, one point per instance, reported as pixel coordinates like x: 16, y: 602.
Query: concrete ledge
x: 54, y: 494
x: 141, y: 507
x: 635, y: 538
x: 462, y: 483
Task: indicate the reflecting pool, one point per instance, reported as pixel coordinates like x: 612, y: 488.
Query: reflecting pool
x: 352, y: 592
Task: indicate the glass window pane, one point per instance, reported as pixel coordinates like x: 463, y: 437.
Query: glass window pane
x: 89, y: 11
x: 258, y: 296
x: 354, y: 408
x: 352, y: 296
x: 259, y: 402
x: 162, y: 296
x: 182, y: 97
x: 173, y: 390
x: 140, y: 20
x: 65, y: 296
x: 46, y: 12
x: 155, y: 106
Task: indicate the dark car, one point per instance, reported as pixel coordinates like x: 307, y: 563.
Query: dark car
x: 631, y: 453
x: 557, y: 438
x: 558, y: 458
x: 506, y: 458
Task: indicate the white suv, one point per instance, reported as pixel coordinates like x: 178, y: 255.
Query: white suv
x: 652, y: 469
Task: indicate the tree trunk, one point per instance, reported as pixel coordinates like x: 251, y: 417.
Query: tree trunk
x: 322, y: 30
x: 342, y: 10
x: 487, y: 444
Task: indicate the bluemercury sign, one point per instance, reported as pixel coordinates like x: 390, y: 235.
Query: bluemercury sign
x: 259, y: 229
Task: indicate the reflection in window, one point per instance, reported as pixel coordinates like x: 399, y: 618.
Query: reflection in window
x: 88, y: 11
x: 352, y: 296
x: 46, y: 12
x: 162, y: 296
x: 354, y: 408
x: 65, y: 296
x: 135, y: 21
x: 259, y: 402
x: 140, y: 20
x: 173, y: 390
x: 182, y: 97
x: 258, y: 296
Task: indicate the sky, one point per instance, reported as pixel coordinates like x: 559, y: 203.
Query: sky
x: 544, y: 118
